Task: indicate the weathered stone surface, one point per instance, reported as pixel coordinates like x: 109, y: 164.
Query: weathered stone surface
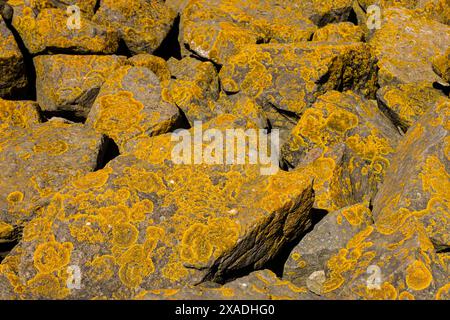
x: 441, y: 65
x: 408, y: 58
x: 328, y: 236
x: 218, y: 29
x: 36, y: 162
x: 12, y: 69
x: 405, y: 103
x: 129, y: 105
x: 259, y: 285
x: 291, y: 77
x: 346, y: 143
x: 71, y: 83
x: 142, y: 24
x: 421, y: 167
x: 144, y: 222
x: 339, y: 32
x: 18, y: 114
x: 156, y: 64
x: 44, y: 29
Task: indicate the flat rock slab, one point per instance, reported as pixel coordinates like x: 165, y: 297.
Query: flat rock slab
x: 290, y: 77
x: 12, y: 68
x: 144, y: 222
x: 70, y: 83
x: 130, y: 105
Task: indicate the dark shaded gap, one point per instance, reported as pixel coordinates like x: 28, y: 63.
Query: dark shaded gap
x: 108, y: 151
x: 352, y: 17
x: 170, y: 47
x: 445, y: 88
x: 8, y: 244
x: 123, y: 49
x: 97, y: 6
x: 183, y: 121
x: 202, y: 59
x: 69, y: 115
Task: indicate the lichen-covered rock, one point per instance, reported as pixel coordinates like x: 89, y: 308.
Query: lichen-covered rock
x: 259, y: 285
x: 323, y: 12
x: 441, y: 65
x: 328, y: 236
x: 218, y: 29
x: 194, y: 89
x: 417, y: 182
x: 339, y: 32
x: 346, y: 143
x: 142, y: 24
x: 408, y: 58
x: 156, y: 64
x: 291, y: 77
x: 130, y: 105
x: 37, y: 161
x: 71, y: 83
x: 45, y: 30
x: 405, y: 103
x: 12, y: 69
x: 18, y: 114
x: 145, y: 222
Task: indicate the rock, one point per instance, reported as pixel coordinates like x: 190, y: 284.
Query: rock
x: 291, y: 77
x: 12, y: 68
x: 177, y: 5
x: 45, y: 30
x: 405, y: 103
x: 38, y: 161
x: 346, y: 143
x: 18, y: 114
x: 323, y: 12
x: 259, y: 285
x: 69, y: 83
x: 156, y: 64
x: 339, y: 32
x: 421, y: 167
x: 130, y: 105
x: 142, y: 24
x: 218, y: 29
x: 441, y: 65
x: 145, y: 222
x: 318, y: 246
x: 418, y: 40
x: 315, y: 281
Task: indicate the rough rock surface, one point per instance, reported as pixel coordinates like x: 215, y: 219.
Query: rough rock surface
x: 339, y: 32
x: 69, y: 83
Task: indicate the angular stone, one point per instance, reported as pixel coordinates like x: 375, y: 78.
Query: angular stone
x: 259, y: 285
x: 441, y: 65
x: 144, y: 222
x: 156, y: 64
x: 45, y: 30
x: 320, y: 244
x: 12, y: 69
x: 69, y: 83
x: 142, y: 24
x: 417, y: 181
x: 405, y: 103
x: 418, y: 40
x: 291, y: 77
x: 339, y: 32
x: 346, y: 143
x: 130, y: 105
x: 218, y: 29
x: 38, y: 161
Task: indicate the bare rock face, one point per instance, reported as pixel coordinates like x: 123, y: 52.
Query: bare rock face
x: 346, y: 143
x: 408, y: 58
x: 291, y: 77
x: 145, y: 222
x: 43, y: 27
x: 142, y: 24
x: 130, y: 105
x: 69, y: 83
x: 12, y: 69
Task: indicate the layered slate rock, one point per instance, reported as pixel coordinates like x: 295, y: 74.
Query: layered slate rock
x: 145, y: 222
x: 346, y: 143
x: 339, y: 32
x: 328, y: 236
x: 421, y: 168
x: 129, y: 105
x: 69, y: 83
x: 291, y: 77
x: 404, y: 104
x: 37, y: 162
x: 12, y: 68
x: 44, y: 29
x: 142, y: 24
x: 259, y: 285
x: 418, y: 40
x: 194, y: 89
x: 218, y: 29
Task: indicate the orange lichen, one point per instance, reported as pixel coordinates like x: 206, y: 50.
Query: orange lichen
x: 52, y: 256
x: 418, y: 276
